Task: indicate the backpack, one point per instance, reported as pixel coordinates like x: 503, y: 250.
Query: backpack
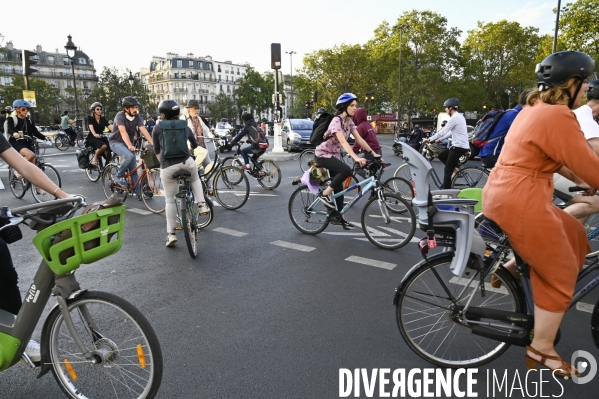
x: 320, y: 127
x: 174, y: 139
x: 14, y: 120
x: 82, y: 158
x: 485, y: 127
x: 260, y: 142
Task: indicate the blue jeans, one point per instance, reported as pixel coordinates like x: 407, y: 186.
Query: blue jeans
x: 245, y: 153
x: 129, y: 162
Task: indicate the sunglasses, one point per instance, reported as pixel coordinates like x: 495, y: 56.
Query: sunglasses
x: 98, y: 109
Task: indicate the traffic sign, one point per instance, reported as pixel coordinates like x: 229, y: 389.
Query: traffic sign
x: 29, y: 96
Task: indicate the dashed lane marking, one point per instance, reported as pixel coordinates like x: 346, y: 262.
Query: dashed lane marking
x: 291, y: 245
x: 371, y: 262
x: 230, y: 232
x: 585, y: 307
x: 140, y: 211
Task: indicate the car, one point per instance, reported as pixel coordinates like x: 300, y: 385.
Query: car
x: 295, y: 134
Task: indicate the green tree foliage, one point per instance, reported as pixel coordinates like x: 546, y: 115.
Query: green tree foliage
x: 223, y: 107
x: 579, y: 28
x: 254, y: 91
x: 45, y: 97
x: 498, y: 57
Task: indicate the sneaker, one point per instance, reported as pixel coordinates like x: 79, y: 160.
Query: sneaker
x: 171, y: 240
x: 120, y: 182
x: 326, y: 201
x: 347, y: 225
x: 203, y: 209
x: 145, y: 197
x: 33, y: 351
x: 245, y: 167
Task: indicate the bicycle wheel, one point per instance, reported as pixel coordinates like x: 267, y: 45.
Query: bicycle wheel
x: 306, y: 159
x: 80, y: 140
x: 231, y: 187
x: 388, y: 224
x: 93, y: 171
x: 189, y: 223
x: 127, y: 358
x: 61, y: 141
x: 205, y: 220
x: 108, y: 177
x: 41, y: 195
x: 469, y: 177
x: 399, y: 185
x: 308, y: 220
x: 152, y: 191
x: 429, y: 321
x: 18, y: 185
x: 270, y: 175
x: 233, y: 161
x: 403, y: 171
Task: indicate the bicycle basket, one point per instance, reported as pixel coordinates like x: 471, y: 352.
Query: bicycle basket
x: 149, y: 157
x: 85, y: 239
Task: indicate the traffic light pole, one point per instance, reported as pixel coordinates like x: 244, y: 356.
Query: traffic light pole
x: 275, y: 54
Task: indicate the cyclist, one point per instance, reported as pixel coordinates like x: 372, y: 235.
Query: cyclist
x: 199, y: 129
x: 543, y: 138
x: 457, y: 130
x: 250, y: 128
x: 126, y: 122
x: 24, y: 127
x: 169, y: 110
x: 66, y: 125
x: 366, y: 131
x: 10, y: 296
x: 97, y: 123
x: 328, y: 153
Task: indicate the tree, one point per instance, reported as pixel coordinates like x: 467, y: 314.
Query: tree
x: 579, y: 28
x: 254, y: 91
x: 223, y: 107
x: 45, y: 97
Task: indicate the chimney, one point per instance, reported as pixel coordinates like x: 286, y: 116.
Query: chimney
x: 38, y: 49
x: 189, y: 55
x: 9, y: 45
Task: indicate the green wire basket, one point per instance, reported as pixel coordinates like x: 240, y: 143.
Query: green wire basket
x: 84, y: 239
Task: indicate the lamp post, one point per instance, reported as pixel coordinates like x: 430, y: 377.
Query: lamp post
x: 86, y: 96
x: 291, y: 68
x: 559, y: 3
x: 71, y: 50
x: 131, y: 80
x: 401, y: 28
x: 369, y: 101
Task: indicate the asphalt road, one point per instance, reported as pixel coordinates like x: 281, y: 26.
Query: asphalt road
x: 253, y: 317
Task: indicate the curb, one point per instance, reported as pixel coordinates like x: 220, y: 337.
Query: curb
x: 280, y: 156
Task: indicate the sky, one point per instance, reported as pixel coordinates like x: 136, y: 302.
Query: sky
x: 126, y: 34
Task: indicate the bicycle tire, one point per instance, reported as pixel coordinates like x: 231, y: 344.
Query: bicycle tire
x: 80, y: 140
x: 92, y: 171
x: 469, y: 177
x: 189, y: 226
x: 123, y: 343
x: 61, y: 142
x: 386, y: 226
x: 403, y: 171
x: 18, y: 186
x: 401, y: 186
x: 152, y: 191
x: 235, y: 162
x: 269, y: 176
x: 108, y: 176
x: 50, y: 171
x: 231, y: 187
x: 228, y: 161
x: 306, y: 159
x: 308, y: 222
x: 418, y: 300
x: 205, y: 220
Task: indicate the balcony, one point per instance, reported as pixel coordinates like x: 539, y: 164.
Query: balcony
x: 179, y: 90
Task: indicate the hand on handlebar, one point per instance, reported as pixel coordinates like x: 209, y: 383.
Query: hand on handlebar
x: 362, y: 161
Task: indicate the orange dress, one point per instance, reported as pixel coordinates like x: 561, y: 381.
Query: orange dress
x: 518, y: 197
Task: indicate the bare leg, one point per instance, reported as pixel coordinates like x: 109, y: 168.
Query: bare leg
x: 546, y: 326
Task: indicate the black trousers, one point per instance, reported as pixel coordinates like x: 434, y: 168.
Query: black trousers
x: 450, y: 158
x: 10, y: 296
x: 339, y: 171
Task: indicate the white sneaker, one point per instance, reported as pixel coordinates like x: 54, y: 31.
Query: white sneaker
x: 203, y: 209
x: 33, y: 350
x: 171, y: 240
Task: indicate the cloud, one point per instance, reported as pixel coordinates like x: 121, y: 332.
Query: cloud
x: 532, y: 14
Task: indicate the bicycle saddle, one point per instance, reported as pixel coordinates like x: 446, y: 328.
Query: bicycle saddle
x: 181, y: 173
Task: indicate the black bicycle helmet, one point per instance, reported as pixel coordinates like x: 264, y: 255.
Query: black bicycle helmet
x: 247, y: 116
x: 593, y: 93
x: 557, y: 68
x: 170, y: 109
x: 94, y: 105
x: 452, y: 103
x: 131, y: 102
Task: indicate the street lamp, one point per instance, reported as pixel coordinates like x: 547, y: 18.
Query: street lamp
x: 401, y: 28
x: 559, y: 3
x: 86, y: 96
x: 131, y: 80
x: 291, y: 67
x: 71, y: 50
x: 369, y: 100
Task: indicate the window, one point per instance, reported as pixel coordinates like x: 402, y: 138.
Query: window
x: 82, y: 61
x: 50, y: 59
x: 179, y: 63
x: 69, y: 83
x: 191, y: 64
x: 85, y: 84
x: 227, y: 78
x: 67, y: 72
x: 65, y: 61
x: 6, y: 81
x: 7, y: 68
x: 194, y: 96
x: 177, y: 84
x: 91, y: 62
x: 221, y: 87
x: 219, y: 77
x: 54, y: 83
x: 176, y: 75
x: 219, y: 68
x: 228, y: 89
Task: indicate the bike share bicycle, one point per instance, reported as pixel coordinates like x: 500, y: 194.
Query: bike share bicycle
x: 95, y: 343
x: 266, y: 172
x: 447, y: 311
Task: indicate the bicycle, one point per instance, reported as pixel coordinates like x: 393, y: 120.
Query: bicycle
x: 150, y: 183
x: 62, y: 141
x: 19, y: 185
x: 467, y: 176
x: 307, y: 158
x: 388, y: 220
x: 93, y: 342
x: 94, y: 172
x: 267, y: 172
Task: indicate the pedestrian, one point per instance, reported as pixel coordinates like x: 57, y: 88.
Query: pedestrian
x: 67, y: 125
x: 150, y: 123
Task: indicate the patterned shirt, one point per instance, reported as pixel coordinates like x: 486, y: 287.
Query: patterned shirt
x: 197, y: 127
x: 332, y: 147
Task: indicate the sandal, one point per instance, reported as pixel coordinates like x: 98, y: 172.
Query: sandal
x: 565, y: 370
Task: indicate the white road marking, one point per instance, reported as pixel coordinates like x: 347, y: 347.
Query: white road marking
x: 371, y: 262
x: 585, y: 307
x: 342, y: 233
x: 1, y: 185
x: 291, y: 245
x: 140, y: 211
x: 230, y: 232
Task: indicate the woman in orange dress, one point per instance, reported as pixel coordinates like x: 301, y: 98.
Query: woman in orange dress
x: 546, y: 138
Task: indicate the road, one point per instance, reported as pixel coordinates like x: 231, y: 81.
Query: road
x: 255, y: 315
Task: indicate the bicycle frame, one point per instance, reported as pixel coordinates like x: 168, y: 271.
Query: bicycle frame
x: 365, y: 185
x: 131, y: 172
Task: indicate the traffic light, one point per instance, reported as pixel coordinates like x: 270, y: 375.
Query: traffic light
x: 28, y: 62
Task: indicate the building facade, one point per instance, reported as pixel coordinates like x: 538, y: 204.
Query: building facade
x: 53, y: 67
x: 184, y: 78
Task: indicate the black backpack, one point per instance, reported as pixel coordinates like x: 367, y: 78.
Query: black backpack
x: 320, y: 127
x: 174, y: 138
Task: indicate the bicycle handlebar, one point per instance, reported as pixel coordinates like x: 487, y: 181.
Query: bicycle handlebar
x: 54, y: 207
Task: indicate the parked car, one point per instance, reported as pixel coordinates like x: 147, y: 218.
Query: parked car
x: 295, y: 134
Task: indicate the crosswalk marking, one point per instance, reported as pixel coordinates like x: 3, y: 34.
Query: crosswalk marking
x: 371, y: 262
x: 140, y: 211
x: 230, y: 232
x: 291, y: 245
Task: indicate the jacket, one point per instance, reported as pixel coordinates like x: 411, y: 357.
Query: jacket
x: 205, y: 130
x: 247, y: 130
x: 365, y: 131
